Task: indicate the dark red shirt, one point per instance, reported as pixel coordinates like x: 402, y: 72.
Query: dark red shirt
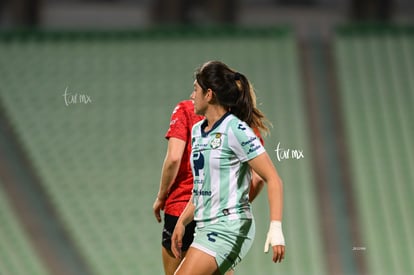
x: 182, y: 120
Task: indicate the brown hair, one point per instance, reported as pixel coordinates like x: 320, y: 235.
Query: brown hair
x: 233, y: 91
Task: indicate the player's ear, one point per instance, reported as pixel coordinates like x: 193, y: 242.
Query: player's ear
x: 210, y: 95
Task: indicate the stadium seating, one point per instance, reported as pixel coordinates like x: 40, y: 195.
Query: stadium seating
x: 99, y: 155
x: 16, y: 254
x: 375, y: 75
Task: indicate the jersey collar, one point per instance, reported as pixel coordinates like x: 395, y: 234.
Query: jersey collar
x: 218, y: 122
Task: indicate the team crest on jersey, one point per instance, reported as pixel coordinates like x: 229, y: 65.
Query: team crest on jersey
x: 216, y: 141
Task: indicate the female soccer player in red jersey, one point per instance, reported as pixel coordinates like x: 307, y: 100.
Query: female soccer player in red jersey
x: 176, y: 183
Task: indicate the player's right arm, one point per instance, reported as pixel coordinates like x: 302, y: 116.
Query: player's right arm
x: 169, y: 172
x: 177, y: 237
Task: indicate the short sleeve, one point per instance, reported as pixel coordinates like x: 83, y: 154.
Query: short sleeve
x: 259, y: 135
x: 244, y: 142
x: 178, y: 123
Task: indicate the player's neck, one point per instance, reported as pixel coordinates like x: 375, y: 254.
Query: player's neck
x: 213, y: 115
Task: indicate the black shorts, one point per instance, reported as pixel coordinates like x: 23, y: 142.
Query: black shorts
x: 169, y: 225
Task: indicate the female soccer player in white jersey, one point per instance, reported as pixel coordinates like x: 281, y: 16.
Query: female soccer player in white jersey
x: 224, y: 147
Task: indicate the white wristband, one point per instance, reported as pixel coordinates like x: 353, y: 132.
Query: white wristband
x: 274, y: 236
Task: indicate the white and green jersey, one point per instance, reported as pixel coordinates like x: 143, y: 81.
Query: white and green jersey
x: 221, y: 173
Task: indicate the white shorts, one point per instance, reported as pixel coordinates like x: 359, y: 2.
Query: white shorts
x: 228, y: 241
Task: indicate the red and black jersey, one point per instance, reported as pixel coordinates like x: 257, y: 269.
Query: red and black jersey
x: 182, y: 120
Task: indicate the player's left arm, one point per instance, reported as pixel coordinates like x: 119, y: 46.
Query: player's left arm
x: 263, y: 166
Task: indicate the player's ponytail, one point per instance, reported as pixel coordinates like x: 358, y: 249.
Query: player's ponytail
x: 233, y: 91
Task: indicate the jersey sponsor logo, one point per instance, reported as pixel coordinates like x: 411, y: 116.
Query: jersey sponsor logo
x: 253, y: 148
x: 201, y: 192
x: 198, y: 163
x: 199, y: 146
x: 216, y: 141
x: 211, y: 235
x: 174, y: 121
x: 198, y: 181
x: 241, y: 127
x: 251, y: 139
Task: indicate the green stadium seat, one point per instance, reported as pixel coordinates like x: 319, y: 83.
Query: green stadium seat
x: 16, y: 253
x: 375, y: 71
